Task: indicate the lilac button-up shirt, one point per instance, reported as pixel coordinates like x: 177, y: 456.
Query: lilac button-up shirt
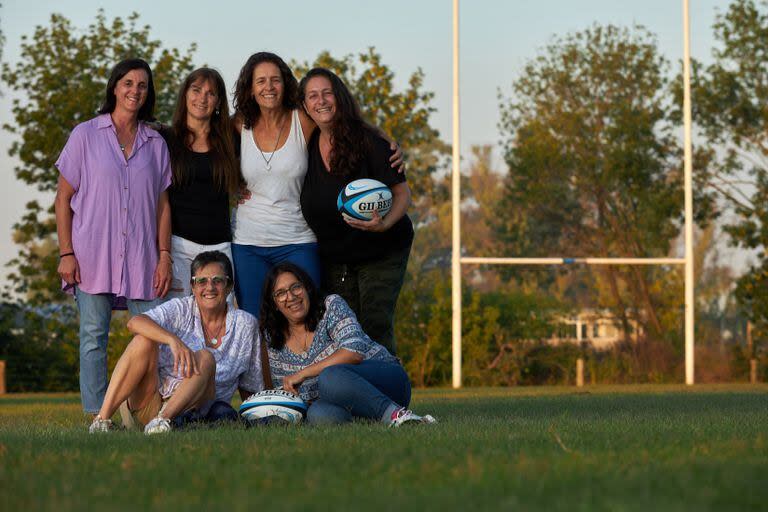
x: 114, y: 226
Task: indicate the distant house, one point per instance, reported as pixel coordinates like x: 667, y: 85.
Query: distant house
x: 599, y: 328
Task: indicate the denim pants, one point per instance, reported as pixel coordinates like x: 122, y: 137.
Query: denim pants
x: 371, y: 389
x: 219, y: 411
x: 252, y: 263
x: 95, y: 315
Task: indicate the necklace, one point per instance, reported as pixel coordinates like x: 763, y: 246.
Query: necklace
x: 306, y: 342
x: 272, y: 155
x: 214, y: 341
x: 129, y: 134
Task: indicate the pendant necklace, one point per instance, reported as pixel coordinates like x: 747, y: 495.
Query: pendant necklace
x: 214, y: 342
x: 272, y: 155
x: 130, y: 139
x: 306, y: 337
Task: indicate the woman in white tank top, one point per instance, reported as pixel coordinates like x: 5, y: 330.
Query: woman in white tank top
x: 268, y: 226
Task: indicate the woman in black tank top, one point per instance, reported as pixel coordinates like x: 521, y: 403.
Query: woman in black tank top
x: 205, y: 173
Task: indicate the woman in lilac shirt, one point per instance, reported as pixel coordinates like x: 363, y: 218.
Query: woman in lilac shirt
x: 113, y: 219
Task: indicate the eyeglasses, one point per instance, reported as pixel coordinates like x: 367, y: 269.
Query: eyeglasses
x: 296, y: 289
x: 216, y: 281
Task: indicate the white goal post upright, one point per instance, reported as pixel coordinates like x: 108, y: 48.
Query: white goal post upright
x: 456, y: 211
x: 688, y: 177
x: 457, y: 260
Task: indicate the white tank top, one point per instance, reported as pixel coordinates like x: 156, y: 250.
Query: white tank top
x: 272, y: 216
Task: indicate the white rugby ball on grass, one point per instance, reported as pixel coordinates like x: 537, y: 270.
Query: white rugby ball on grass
x: 271, y: 405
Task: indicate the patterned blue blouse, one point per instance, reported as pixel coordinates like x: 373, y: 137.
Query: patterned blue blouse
x: 337, y: 329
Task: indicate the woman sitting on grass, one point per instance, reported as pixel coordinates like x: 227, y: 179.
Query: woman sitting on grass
x: 342, y: 373
x: 189, y: 354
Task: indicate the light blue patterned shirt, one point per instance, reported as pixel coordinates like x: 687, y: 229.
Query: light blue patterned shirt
x: 237, y: 358
x: 337, y: 329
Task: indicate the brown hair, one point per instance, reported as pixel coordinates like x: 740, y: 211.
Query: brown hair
x: 245, y: 105
x: 351, y: 136
x: 226, y: 170
x: 146, y: 112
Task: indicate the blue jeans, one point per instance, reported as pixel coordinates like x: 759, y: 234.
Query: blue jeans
x: 371, y: 389
x: 252, y: 263
x: 95, y: 315
x: 219, y: 412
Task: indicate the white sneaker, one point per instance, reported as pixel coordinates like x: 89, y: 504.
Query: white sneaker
x: 100, y: 426
x: 403, y: 416
x: 158, y: 425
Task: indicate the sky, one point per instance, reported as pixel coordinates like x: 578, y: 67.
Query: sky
x: 497, y: 38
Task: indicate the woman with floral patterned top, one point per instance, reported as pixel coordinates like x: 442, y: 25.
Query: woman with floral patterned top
x: 189, y: 354
x: 318, y: 351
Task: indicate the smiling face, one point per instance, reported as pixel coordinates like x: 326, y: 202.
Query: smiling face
x: 211, y: 294
x: 202, y: 100
x: 268, y: 86
x: 291, y: 298
x: 131, y: 91
x: 319, y: 101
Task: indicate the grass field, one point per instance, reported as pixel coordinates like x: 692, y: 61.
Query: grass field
x: 604, y: 448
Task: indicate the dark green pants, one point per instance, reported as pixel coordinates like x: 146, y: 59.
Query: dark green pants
x: 371, y: 290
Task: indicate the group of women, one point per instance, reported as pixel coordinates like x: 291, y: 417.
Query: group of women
x: 142, y: 214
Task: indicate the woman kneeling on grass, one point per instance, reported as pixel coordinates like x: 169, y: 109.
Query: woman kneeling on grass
x: 189, y: 354
x: 342, y: 373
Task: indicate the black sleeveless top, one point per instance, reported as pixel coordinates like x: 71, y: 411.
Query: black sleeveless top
x: 199, y: 210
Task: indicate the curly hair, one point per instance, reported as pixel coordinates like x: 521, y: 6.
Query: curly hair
x: 226, y: 171
x: 244, y: 103
x: 351, y: 135
x: 273, y: 326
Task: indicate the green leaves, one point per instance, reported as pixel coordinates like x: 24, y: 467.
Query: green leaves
x: 594, y: 165
x: 60, y: 79
x: 731, y: 98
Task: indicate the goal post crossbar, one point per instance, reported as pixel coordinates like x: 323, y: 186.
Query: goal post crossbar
x: 467, y: 260
x: 457, y: 260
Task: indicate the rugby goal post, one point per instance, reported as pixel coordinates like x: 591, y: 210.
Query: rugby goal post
x: 457, y: 259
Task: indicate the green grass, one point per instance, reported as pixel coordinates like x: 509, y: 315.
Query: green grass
x: 606, y: 448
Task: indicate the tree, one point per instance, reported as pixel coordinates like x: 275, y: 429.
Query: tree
x: 731, y: 107
x: 60, y: 78
x: 594, y: 166
x: 60, y: 81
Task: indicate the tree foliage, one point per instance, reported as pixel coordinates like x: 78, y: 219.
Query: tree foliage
x: 60, y: 80
x: 594, y: 165
x: 731, y: 101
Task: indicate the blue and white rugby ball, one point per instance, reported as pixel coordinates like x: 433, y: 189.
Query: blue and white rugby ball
x: 273, y: 405
x: 361, y: 197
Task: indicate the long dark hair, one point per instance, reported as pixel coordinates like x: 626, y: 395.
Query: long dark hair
x: 146, y: 112
x: 226, y: 171
x: 351, y: 136
x: 245, y: 105
x: 273, y: 326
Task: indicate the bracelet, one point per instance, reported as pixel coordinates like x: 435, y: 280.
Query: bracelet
x: 66, y: 254
x: 169, y: 254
